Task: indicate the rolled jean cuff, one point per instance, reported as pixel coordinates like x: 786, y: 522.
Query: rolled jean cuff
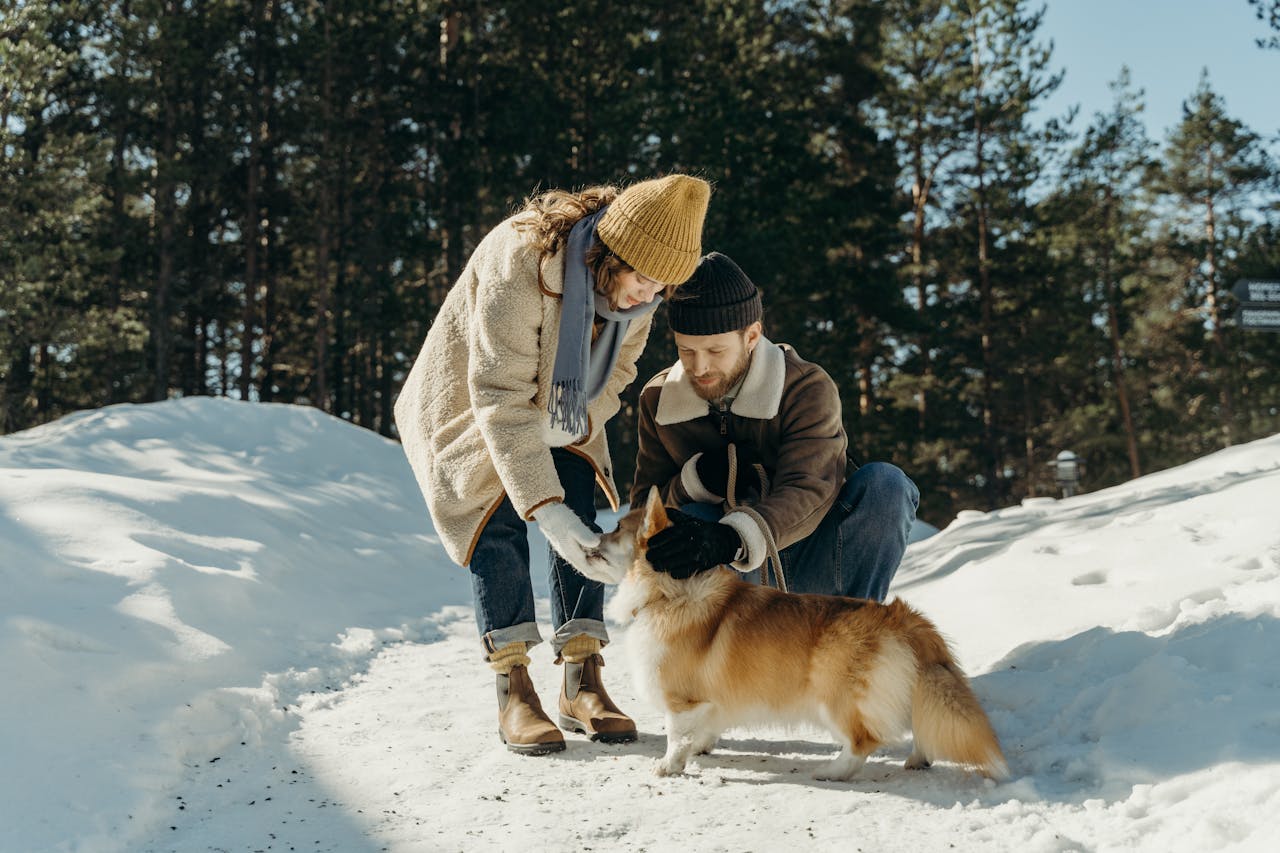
x: 525, y: 632
x: 574, y: 627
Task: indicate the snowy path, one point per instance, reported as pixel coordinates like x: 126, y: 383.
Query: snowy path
x: 229, y: 627
x: 405, y: 758
x: 411, y: 762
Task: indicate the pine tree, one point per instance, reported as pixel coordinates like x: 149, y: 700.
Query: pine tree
x: 1214, y: 167
x: 1104, y: 186
x: 863, y: 302
x: 1004, y: 156
x: 925, y: 107
x: 50, y: 172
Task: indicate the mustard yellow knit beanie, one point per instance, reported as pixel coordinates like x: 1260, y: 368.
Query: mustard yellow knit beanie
x: 656, y: 226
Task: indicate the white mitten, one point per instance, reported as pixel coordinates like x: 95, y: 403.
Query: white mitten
x: 572, y: 539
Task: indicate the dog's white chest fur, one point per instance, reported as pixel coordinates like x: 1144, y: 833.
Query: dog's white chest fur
x: 643, y: 647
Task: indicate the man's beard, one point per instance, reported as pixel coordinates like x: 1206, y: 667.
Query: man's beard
x: 714, y: 392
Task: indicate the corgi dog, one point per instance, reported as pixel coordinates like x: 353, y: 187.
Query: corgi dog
x: 716, y: 652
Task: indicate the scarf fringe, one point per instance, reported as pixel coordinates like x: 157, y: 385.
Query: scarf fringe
x: 568, y: 406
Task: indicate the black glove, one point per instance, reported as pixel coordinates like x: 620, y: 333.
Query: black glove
x: 713, y: 471
x: 691, y: 545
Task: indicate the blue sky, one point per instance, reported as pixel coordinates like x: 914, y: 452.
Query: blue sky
x: 1165, y: 43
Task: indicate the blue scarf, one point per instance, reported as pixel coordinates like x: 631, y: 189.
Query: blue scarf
x: 582, y: 367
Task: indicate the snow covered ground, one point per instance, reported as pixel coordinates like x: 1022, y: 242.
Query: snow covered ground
x: 229, y: 626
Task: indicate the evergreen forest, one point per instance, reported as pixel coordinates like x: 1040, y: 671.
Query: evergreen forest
x: 269, y: 199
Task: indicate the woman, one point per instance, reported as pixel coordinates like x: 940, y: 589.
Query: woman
x: 503, y: 415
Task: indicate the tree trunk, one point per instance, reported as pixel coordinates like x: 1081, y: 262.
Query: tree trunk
x: 270, y: 322
x: 252, y: 205
x: 984, y: 286
x: 44, y: 381
x: 17, y: 385
x: 115, y: 391
x: 320, y: 346
x: 1117, y: 350
x: 919, y: 200
x: 866, y: 386
x: 1028, y: 431
x: 166, y: 211
x: 1219, y: 358
x: 453, y: 226
x: 202, y: 357
x: 342, y: 305
x: 223, y: 350
x: 386, y: 415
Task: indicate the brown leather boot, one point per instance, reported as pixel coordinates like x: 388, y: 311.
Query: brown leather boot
x: 585, y: 707
x: 522, y: 724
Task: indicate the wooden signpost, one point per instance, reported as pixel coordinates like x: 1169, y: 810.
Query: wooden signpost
x: 1259, y: 309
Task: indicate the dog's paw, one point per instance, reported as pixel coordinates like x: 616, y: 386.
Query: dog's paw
x: 668, y: 767
x: 842, y: 769
x: 916, y: 761
x: 704, y: 747
x: 827, y: 774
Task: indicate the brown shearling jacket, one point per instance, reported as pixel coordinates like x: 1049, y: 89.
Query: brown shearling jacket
x: 787, y: 411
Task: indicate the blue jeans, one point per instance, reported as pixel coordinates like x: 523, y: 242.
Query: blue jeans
x: 857, y: 547
x: 500, y: 572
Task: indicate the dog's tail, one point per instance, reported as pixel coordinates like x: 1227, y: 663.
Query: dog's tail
x: 947, y: 721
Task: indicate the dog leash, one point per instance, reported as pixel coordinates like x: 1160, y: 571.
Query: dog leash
x: 731, y: 486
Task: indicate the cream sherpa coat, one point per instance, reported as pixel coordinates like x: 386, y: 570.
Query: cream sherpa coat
x: 472, y: 415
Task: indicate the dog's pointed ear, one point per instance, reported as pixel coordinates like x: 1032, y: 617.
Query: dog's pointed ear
x: 655, y: 514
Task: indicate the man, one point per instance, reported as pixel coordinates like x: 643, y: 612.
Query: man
x: 839, y: 531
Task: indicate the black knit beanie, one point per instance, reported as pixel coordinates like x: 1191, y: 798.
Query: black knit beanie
x: 718, y: 298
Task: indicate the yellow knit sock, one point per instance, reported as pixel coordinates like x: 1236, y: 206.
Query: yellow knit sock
x: 579, y: 648
x: 511, y: 655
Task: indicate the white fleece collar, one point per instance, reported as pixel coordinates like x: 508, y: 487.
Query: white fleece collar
x: 760, y: 396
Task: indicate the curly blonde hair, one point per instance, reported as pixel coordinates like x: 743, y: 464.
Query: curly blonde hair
x: 551, y: 216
